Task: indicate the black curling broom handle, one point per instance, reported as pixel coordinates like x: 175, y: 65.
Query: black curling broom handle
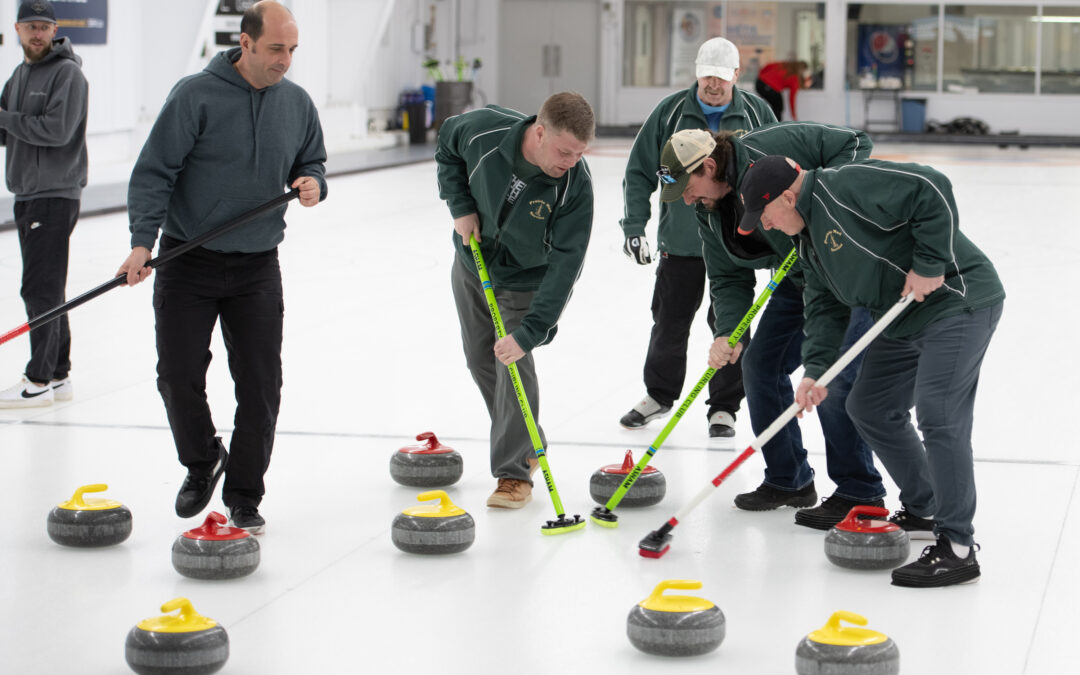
x: 63, y: 309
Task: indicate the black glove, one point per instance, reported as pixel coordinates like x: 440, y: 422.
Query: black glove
x: 637, y: 249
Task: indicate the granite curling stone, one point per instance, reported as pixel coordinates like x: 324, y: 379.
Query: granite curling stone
x: 88, y: 523
x: 865, y: 544
x: 187, y: 643
x: 215, y: 551
x: 846, y: 650
x: 433, y: 529
x: 675, y: 625
x: 430, y: 464
x: 648, y: 489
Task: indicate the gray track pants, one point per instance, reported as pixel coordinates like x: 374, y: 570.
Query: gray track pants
x: 936, y: 371
x: 510, y: 443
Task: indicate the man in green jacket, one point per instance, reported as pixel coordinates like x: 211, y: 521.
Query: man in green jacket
x: 706, y: 165
x: 868, y: 234
x: 714, y: 103
x: 519, y: 185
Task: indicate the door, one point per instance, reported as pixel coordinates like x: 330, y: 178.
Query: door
x: 547, y: 46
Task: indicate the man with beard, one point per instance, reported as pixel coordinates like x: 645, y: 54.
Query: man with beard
x: 43, y: 124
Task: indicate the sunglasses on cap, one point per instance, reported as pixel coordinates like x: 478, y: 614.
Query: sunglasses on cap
x: 664, y: 174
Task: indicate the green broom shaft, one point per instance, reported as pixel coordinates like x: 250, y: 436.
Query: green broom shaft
x: 523, y: 401
x: 747, y: 319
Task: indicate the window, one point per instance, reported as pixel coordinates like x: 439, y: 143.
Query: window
x: 989, y: 48
x: 661, y: 39
x: 892, y: 46
x: 1060, y: 50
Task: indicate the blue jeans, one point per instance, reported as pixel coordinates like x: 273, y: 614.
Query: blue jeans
x: 936, y: 371
x: 773, y: 355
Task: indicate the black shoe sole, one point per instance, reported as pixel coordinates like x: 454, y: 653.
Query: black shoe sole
x: 721, y: 431
x: 962, y: 575
x: 639, y: 421
x: 815, y: 522
x: 196, y: 508
x: 805, y: 503
x: 826, y: 522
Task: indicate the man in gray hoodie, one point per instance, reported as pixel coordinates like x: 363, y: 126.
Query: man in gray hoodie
x: 227, y: 139
x: 43, y: 124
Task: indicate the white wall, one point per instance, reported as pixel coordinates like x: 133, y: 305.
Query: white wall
x: 356, y: 56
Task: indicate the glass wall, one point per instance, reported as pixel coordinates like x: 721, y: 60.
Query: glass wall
x: 915, y: 47
x: 989, y: 48
x: 1060, y: 50
x: 661, y: 38
x: 984, y: 48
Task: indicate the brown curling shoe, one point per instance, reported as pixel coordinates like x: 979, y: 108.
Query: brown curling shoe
x: 510, y: 494
x: 534, y: 464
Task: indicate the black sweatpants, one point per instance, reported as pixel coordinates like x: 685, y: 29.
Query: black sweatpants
x: 190, y: 294
x: 680, y: 286
x: 45, y: 227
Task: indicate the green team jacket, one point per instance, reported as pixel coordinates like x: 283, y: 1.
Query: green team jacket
x: 867, y: 224
x: 677, y: 232
x: 539, y: 243
x: 730, y: 257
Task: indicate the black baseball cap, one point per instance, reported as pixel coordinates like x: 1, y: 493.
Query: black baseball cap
x: 36, y: 10
x: 764, y: 181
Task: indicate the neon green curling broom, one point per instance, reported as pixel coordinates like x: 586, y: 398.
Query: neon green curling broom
x: 561, y: 524
x: 602, y: 515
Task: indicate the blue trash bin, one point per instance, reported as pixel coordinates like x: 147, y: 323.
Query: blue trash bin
x: 913, y: 115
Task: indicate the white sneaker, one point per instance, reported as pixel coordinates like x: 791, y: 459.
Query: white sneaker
x: 721, y: 425
x: 63, y: 390
x: 646, y: 410
x: 26, y: 394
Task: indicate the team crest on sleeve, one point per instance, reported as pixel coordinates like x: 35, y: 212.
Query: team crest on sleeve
x: 833, y: 240
x: 539, y: 209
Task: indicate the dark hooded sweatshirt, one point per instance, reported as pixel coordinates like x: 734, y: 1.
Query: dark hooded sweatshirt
x: 220, y: 148
x: 43, y: 125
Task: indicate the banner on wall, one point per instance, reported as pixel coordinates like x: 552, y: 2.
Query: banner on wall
x: 687, y: 34
x: 82, y: 21
x: 227, y: 21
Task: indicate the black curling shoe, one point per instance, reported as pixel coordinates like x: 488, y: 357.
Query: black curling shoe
x: 938, y: 566
x: 199, y: 486
x: 831, y: 511
x: 767, y: 498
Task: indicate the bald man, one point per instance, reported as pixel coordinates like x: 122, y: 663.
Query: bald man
x: 227, y: 139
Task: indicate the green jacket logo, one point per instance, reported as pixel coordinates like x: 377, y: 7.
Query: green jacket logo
x: 540, y: 209
x: 832, y: 240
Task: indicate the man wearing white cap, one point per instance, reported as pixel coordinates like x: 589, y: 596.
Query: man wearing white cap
x: 713, y: 103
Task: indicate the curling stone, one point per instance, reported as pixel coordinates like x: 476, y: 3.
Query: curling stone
x: 675, y: 625
x: 648, y: 489
x: 864, y: 544
x: 430, y: 464
x: 215, y: 551
x: 187, y: 643
x: 846, y: 650
x: 433, y: 529
x: 89, y: 522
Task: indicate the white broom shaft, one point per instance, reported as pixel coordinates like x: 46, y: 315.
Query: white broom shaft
x: 794, y: 409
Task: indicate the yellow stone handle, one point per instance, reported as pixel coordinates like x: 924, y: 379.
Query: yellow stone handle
x: 844, y: 615
x: 677, y: 584
x: 444, y: 499
x: 77, y: 498
x: 659, y: 602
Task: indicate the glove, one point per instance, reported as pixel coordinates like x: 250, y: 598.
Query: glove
x: 637, y: 249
